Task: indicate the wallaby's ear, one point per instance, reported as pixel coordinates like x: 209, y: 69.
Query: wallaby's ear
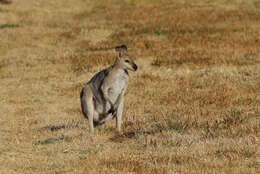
x: 124, y: 47
x: 121, y: 50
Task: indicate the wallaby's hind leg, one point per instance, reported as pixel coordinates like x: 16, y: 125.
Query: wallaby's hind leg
x: 90, y: 114
x: 87, y: 105
x: 119, y: 113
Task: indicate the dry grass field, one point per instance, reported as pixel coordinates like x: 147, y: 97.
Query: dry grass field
x: 193, y: 106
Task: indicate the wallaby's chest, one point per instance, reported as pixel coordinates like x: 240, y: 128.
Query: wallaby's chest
x: 119, y: 83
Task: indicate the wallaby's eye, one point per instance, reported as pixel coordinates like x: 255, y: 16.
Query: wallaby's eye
x: 127, y: 61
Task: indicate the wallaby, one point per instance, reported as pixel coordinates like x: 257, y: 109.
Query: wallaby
x: 102, y: 98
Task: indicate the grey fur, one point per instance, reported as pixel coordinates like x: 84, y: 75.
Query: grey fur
x: 103, y: 96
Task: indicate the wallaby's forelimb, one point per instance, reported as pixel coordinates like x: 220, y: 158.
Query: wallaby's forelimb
x: 107, y: 98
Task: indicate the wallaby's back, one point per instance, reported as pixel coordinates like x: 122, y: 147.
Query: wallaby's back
x: 95, y: 84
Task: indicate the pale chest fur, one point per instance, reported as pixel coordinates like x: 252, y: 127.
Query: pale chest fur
x: 119, y: 84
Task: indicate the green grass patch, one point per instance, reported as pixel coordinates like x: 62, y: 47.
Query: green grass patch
x: 161, y: 32
x: 3, y: 26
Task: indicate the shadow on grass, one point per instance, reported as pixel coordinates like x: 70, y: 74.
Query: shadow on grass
x: 52, y: 140
x: 60, y: 138
x: 54, y: 128
x: 166, y: 125
x: 119, y: 138
x: 211, y: 128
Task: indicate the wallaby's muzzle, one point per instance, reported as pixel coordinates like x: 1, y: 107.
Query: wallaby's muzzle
x: 135, y: 67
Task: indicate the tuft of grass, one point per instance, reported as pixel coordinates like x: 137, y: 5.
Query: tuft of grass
x: 157, y: 62
x: 161, y: 32
x: 3, y: 26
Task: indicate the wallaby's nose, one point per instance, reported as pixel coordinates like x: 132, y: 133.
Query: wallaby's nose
x: 135, y: 67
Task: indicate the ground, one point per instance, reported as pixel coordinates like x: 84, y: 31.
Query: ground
x: 192, y: 107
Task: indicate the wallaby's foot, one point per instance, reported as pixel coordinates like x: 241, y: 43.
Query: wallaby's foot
x: 92, y: 131
x: 119, y: 131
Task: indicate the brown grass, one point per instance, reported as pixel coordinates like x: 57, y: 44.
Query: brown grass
x: 193, y: 106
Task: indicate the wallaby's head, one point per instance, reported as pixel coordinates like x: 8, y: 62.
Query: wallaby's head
x: 123, y: 60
